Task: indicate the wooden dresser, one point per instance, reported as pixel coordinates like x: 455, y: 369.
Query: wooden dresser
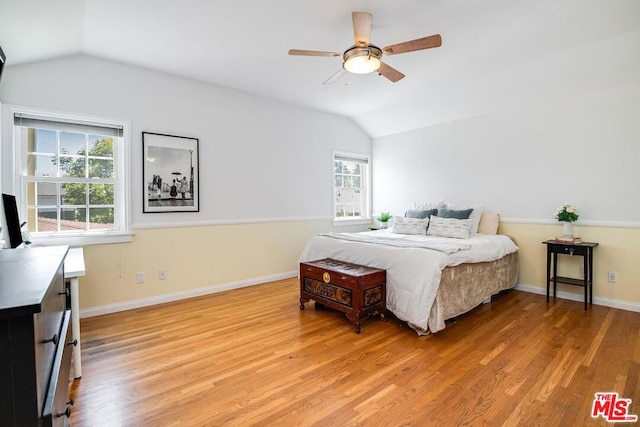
x: 35, y: 335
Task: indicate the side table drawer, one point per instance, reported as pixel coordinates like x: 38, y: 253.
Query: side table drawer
x: 569, y: 249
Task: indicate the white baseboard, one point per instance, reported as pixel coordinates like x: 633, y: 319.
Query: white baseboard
x: 579, y: 296
x: 160, y: 299
x: 176, y: 296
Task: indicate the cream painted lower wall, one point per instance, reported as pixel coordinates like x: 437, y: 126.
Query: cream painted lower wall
x: 617, y: 250
x: 201, y: 260
x: 197, y: 260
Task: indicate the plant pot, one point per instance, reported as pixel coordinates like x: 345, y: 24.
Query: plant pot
x: 567, y: 230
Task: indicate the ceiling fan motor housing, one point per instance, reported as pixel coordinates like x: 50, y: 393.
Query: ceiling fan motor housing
x: 362, y: 60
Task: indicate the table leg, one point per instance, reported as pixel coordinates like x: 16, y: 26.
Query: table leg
x: 75, y: 327
x: 555, y: 273
x: 548, y: 270
x: 586, y: 280
x: 590, y: 251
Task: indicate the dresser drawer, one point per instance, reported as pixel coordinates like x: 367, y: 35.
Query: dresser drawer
x: 48, y: 332
x: 57, y: 407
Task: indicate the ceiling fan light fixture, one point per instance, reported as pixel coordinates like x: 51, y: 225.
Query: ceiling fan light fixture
x: 362, y: 60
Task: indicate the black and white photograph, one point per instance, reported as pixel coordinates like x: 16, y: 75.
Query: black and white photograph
x: 170, y: 173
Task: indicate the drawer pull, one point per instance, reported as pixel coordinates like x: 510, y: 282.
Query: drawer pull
x: 75, y: 344
x: 66, y: 413
x: 54, y: 339
x: 65, y: 292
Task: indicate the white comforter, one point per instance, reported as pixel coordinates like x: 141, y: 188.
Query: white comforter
x: 414, y: 264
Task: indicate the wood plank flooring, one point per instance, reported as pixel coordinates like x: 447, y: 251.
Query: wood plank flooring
x: 251, y: 357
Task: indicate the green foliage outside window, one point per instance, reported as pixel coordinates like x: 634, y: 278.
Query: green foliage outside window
x: 97, y: 164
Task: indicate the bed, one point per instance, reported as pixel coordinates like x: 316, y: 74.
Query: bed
x: 430, y: 278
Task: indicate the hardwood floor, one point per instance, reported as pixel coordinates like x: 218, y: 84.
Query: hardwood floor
x: 251, y: 357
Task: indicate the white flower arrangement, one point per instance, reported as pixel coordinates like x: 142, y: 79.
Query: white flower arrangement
x: 566, y: 213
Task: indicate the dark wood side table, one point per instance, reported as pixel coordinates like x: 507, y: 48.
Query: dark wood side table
x: 584, y: 249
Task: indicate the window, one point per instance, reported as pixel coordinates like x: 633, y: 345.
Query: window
x: 71, y: 175
x: 351, y: 187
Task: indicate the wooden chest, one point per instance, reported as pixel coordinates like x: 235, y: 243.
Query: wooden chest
x: 353, y: 289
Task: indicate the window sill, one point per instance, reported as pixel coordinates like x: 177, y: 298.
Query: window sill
x: 359, y: 221
x: 102, y: 239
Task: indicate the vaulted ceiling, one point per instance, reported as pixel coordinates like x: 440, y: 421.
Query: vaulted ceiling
x: 495, y: 53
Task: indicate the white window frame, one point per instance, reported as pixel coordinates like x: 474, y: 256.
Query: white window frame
x: 122, y: 173
x: 366, y: 204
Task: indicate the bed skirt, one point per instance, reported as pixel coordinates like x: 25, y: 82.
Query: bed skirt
x: 464, y: 287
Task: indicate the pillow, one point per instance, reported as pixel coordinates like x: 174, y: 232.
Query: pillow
x: 489, y: 223
x: 453, y: 213
x: 449, y: 227
x: 475, y: 215
x: 422, y: 206
x: 422, y: 214
x: 402, y: 225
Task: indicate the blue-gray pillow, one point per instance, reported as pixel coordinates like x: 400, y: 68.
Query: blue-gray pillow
x: 420, y: 214
x: 452, y: 213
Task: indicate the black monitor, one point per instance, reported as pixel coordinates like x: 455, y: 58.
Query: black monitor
x: 12, y: 222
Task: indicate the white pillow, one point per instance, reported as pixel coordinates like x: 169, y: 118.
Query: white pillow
x: 425, y: 206
x: 489, y: 223
x: 474, y: 217
x: 402, y: 225
x: 449, y: 227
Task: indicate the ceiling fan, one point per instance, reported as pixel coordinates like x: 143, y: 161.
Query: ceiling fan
x: 364, y: 57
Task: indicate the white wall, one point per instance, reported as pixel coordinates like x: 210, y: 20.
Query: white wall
x: 265, y: 178
x: 523, y: 162
x: 259, y: 159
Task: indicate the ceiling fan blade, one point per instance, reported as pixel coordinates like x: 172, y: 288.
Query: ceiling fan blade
x: 418, y: 44
x: 362, y: 28
x: 313, y: 52
x: 390, y: 72
x: 335, y: 77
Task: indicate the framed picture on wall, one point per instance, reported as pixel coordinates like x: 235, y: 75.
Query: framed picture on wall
x: 170, y: 173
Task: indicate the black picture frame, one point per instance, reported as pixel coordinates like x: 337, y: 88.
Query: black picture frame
x: 170, y: 164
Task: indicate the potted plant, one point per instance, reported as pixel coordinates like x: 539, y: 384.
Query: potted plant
x: 383, y: 219
x: 566, y: 214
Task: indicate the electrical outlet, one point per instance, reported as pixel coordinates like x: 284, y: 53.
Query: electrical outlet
x: 613, y: 277
x: 141, y: 277
x: 162, y: 275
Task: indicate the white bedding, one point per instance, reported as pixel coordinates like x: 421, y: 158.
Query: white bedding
x: 413, y: 267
